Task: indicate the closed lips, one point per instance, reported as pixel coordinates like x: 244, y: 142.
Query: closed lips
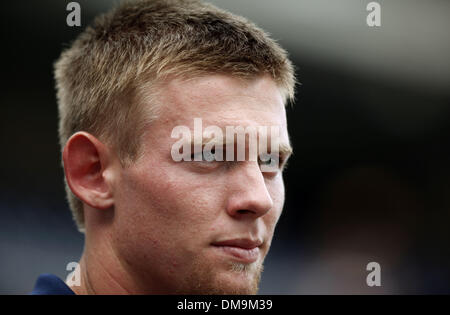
x: 244, y: 250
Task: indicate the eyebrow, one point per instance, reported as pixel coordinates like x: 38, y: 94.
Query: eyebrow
x: 284, y: 149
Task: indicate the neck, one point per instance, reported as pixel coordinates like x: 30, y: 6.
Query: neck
x: 101, y: 272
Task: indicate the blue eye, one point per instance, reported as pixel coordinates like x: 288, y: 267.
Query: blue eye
x: 266, y: 161
x: 207, y: 156
x: 269, y: 162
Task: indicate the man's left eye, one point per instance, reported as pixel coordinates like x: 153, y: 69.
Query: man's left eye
x: 269, y: 162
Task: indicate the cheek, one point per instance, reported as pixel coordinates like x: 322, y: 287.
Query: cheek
x: 170, y: 205
x: 166, y: 217
x: 276, y: 191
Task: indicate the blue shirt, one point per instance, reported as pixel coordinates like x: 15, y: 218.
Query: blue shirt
x: 48, y: 284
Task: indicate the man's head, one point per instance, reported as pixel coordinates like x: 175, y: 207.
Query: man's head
x: 123, y: 86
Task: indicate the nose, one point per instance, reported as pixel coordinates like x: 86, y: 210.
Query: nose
x: 248, y: 193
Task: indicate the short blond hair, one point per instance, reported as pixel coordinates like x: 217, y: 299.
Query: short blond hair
x: 100, y: 78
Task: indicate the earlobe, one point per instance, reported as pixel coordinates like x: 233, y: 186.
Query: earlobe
x: 86, y: 161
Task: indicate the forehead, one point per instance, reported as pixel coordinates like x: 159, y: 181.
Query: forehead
x: 223, y: 100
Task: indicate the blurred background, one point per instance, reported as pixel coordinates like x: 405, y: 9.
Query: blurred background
x: 369, y: 179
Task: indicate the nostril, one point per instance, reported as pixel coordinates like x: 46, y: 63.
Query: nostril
x: 243, y: 211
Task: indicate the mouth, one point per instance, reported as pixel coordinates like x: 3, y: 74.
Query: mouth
x: 243, y: 250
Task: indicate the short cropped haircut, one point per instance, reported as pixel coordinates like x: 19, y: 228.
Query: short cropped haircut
x: 103, y: 78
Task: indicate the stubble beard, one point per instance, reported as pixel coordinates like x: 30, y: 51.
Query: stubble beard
x: 206, y: 279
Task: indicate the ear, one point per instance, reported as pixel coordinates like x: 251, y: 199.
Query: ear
x: 87, y: 162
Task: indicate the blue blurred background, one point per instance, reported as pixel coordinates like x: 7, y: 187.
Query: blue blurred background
x: 370, y: 177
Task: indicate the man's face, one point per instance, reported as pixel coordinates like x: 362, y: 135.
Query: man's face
x: 200, y: 227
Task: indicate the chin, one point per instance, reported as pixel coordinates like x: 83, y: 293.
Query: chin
x: 239, y: 284
x: 233, y: 279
